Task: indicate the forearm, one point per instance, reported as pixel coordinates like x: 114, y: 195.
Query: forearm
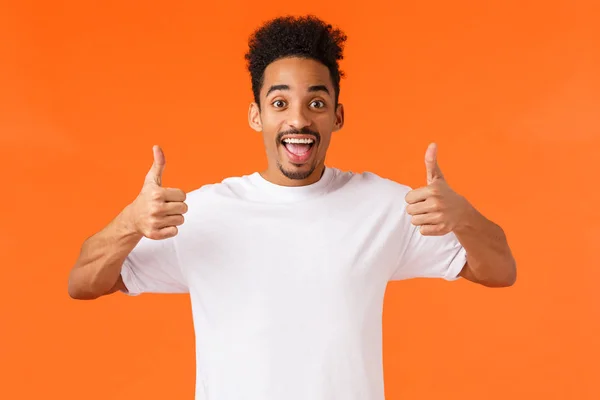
x: 98, y: 267
x: 490, y: 260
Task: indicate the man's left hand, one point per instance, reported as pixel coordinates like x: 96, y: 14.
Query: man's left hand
x: 436, y: 209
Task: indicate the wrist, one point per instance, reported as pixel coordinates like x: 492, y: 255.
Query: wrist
x: 469, y: 220
x: 126, y: 224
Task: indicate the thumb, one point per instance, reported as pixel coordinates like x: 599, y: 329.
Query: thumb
x: 158, y: 166
x: 433, y: 170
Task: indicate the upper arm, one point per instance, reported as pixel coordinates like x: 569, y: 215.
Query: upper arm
x: 430, y: 257
x: 153, y: 266
x: 418, y: 255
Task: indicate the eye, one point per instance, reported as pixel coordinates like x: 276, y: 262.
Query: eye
x: 278, y: 103
x: 318, y: 104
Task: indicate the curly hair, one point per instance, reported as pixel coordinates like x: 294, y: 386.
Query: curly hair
x: 306, y: 37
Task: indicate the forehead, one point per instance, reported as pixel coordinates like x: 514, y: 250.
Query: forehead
x: 298, y: 73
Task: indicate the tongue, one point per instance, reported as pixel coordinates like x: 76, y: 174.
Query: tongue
x: 297, y: 149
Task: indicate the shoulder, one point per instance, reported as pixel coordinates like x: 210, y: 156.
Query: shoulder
x: 229, y: 187
x: 375, y: 183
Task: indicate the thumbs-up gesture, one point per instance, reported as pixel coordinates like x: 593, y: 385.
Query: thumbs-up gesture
x: 436, y: 209
x: 157, y: 212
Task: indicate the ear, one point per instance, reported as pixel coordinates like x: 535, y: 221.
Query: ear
x: 339, y: 118
x: 254, y: 117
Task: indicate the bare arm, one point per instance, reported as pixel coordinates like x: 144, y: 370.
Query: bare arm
x: 490, y: 260
x: 97, y: 271
x: 155, y: 214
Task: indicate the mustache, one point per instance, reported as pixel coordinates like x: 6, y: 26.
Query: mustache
x: 303, y: 131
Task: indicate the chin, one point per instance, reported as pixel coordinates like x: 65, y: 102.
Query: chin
x: 297, y: 172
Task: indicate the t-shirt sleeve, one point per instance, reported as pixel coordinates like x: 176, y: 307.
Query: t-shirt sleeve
x: 153, y: 267
x: 420, y: 256
x: 429, y: 256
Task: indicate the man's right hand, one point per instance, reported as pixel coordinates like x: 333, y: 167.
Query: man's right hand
x: 157, y: 211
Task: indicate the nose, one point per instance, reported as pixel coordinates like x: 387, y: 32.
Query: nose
x: 297, y: 118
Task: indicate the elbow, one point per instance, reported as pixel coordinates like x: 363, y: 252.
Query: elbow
x: 79, y: 294
x: 78, y: 290
x: 502, y: 283
x: 496, y: 275
x: 74, y: 294
x: 507, y: 278
x: 511, y: 274
x: 513, y: 277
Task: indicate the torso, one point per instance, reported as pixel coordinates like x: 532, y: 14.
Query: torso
x: 287, y: 296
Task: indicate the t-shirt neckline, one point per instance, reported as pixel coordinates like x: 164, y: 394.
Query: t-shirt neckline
x: 277, y: 193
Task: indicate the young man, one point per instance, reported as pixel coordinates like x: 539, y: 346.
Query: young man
x: 287, y: 268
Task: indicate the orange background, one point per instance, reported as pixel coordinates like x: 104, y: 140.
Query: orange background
x: 510, y: 91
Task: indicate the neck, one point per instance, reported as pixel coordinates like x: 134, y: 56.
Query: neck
x: 274, y: 175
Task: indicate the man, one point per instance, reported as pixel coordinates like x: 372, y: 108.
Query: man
x: 287, y: 268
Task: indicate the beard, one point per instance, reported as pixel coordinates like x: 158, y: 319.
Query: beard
x: 297, y: 175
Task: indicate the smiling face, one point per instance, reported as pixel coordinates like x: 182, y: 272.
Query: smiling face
x: 297, y: 117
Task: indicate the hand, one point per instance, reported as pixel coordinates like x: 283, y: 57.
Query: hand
x: 436, y: 209
x: 157, y: 211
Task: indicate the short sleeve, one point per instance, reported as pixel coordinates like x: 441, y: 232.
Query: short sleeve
x: 153, y: 267
x: 430, y: 256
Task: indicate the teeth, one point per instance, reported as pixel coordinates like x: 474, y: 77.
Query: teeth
x: 298, y: 141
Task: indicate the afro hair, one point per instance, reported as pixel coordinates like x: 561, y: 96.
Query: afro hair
x: 306, y: 37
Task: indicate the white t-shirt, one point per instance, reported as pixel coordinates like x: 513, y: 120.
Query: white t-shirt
x: 287, y: 283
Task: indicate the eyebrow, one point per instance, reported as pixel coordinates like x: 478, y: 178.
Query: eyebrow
x: 318, y: 88
x: 314, y: 88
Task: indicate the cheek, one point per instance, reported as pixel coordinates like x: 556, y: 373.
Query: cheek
x: 270, y: 130
x: 326, y: 123
x: 325, y: 129
x: 271, y: 123
x: 324, y: 144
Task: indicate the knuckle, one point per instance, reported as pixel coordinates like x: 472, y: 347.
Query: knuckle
x: 439, y: 218
x: 156, y: 194
x: 155, y: 209
x: 154, y: 223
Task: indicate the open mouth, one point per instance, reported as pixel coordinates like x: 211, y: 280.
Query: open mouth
x: 298, y: 149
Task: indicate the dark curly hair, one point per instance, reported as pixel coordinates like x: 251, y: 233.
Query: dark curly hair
x: 307, y: 37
